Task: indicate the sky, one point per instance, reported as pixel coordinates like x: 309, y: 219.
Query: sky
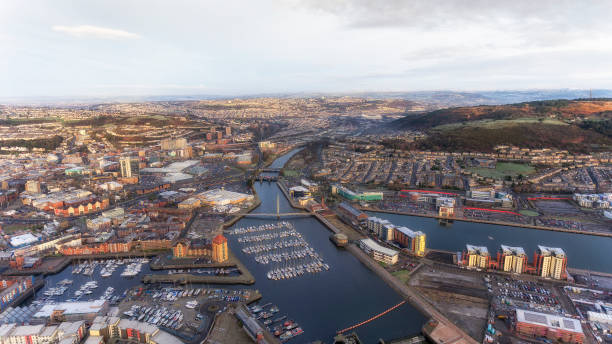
x: 230, y: 47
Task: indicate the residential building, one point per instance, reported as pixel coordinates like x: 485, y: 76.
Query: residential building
x: 551, y: 262
x: 476, y: 257
x: 413, y: 240
x: 513, y: 259
x: 126, y: 167
x: 378, y: 252
x: 173, y: 144
x: 191, y: 248
x: 219, y: 249
x: 33, y: 186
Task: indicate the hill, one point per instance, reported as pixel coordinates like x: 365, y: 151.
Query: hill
x: 575, y: 125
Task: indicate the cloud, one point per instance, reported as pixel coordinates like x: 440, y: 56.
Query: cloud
x: 95, y: 32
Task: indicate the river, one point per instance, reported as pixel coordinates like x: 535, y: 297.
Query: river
x: 583, y: 251
x: 328, y: 301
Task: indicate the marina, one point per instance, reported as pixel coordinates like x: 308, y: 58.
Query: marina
x: 337, y: 296
x: 281, y: 246
x: 279, y: 326
x: 91, y: 280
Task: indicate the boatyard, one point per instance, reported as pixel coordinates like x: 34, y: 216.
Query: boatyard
x: 186, y: 312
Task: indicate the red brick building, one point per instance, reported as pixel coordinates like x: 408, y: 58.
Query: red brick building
x: 556, y: 328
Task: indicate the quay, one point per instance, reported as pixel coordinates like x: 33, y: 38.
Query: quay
x: 245, y: 276
x: 444, y: 331
x: 188, y: 278
x: 54, y: 265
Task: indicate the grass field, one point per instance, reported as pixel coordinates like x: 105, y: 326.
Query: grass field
x: 493, y: 124
x: 529, y: 212
x: 503, y: 169
x: 16, y: 227
x: 402, y: 275
x: 290, y: 173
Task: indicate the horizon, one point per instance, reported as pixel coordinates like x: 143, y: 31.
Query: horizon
x: 528, y: 95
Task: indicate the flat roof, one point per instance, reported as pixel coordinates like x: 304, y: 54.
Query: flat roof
x: 78, y: 307
x: 137, y: 325
x: 409, y: 232
x: 5, y: 329
x: 23, y: 239
x: 373, y: 245
x: 166, y: 338
x: 548, y: 320
x: 27, y: 330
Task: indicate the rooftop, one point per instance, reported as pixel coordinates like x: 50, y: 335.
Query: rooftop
x: 548, y: 320
x: 510, y: 250
x: 481, y: 250
x: 80, y: 307
x: 551, y: 251
x: 373, y: 245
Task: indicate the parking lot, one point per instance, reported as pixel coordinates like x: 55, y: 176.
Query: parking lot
x: 509, y: 294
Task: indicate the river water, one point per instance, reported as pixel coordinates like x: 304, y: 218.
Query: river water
x: 328, y: 301
x: 583, y: 251
x: 325, y: 302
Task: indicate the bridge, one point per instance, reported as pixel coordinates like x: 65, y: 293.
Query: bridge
x: 269, y: 169
x: 267, y: 178
x: 275, y: 214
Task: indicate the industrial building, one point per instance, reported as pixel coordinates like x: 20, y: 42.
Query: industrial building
x: 551, y: 262
x: 512, y: 259
x: 550, y: 326
x: 350, y: 215
x: 70, y: 311
x: 219, y: 197
x: 476, y: 257
x: 356, y: 196
x: 378, y: 252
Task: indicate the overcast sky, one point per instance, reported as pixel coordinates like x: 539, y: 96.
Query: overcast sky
x: 110, y: 48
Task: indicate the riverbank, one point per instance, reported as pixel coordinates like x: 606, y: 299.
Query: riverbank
x: 491, y: 222
x: 452, y: 332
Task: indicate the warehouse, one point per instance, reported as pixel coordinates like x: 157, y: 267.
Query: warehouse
x: 218, y: 197
x: 350, y: 215
x: 553, y: 327
x: 71, y: 311
x: 356, y: 196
